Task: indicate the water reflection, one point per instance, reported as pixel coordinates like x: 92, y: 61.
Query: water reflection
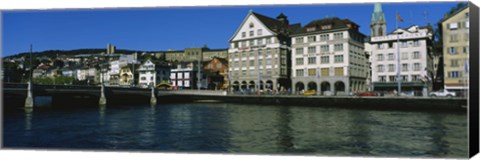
x: 101, y: 111
x: 28, y: 118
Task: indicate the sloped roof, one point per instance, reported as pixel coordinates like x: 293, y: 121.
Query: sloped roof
x: 335, y: 22
x: 276, y: 25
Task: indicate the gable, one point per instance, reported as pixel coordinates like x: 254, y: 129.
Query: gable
x: 249, y: 24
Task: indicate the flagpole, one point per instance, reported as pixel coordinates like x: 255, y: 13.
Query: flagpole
x: 398, y: 58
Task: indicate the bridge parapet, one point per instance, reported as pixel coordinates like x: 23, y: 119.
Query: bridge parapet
x: 193, y: 92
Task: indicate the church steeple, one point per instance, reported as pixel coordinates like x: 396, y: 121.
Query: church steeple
x: 378, y: 26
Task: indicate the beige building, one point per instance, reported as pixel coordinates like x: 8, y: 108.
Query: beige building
x: 259, y: 54
x: 455, y: 32
x: 328, y: 57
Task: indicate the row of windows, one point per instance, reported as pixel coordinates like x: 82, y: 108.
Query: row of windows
x: 252, y: 33
x: 458, y: 25
x: 258, y: 72
x: 455, y: 37
x: 455, y: 74
x: 403, y: 78
x: 252, y: 42
x: 404, y: 67
x: 252, y: 63
x: 323, y: 60
x: 455, y: 50
x: 454, y: 62
x: 323, y: 37
x: 323, y: 49
x: 403, y: 44
x: 260, y: 52
x: 323, y: 72
x: 404, y: 56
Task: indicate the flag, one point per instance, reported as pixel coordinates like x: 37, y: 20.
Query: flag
x: 399, y: 18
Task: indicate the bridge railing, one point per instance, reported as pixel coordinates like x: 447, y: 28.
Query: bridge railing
x: 195, y: 92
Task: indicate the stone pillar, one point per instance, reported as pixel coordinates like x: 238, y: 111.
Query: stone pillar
x: 153, y: 99
x: 103, y: 101
x: 274, y: 86
x: 29, y: 100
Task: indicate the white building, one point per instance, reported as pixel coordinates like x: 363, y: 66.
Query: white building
x: 147, y: 74
x: 258, y: 53
x: 416, y: 59
x: 328, y: 57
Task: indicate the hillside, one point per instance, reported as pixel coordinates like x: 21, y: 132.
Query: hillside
x: 53, y: 53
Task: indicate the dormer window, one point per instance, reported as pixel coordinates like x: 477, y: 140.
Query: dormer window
x: 326, y: 26
x: 251, y: 25
x: 310, y: 29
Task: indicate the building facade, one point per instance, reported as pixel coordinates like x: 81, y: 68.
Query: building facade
x: 216, y: 72
x: 147, y: 74
x: 259, y: 54
x: 186, y: 75
x: 328, y: 57
x: 192, y: 54
x: 415, y: 60
x: 455, y: 32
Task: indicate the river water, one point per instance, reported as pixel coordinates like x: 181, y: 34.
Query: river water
x: 238, y: 128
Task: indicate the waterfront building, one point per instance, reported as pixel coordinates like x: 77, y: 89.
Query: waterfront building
x: 416, y: 60
x: 151, y: 74
x: 191, y: 54
x: 455, y: 32
x: 126, y: 75
x: 259, y: 53
x: 328, y: 57
x: 186, y: 75
x: 216, y: 72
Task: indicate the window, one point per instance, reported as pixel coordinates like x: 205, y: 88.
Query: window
x: 416, y: 66
x: 379, y: 46
x: 312, y: 49
x: 390, y: 44
x: 252, y: 62
x: 416, y: 55
x: 454, y: 63
x: 299, y: 61
x: 338, y: 36
x: 244, y: 72
x: 235, y: 45
x: 244, y: 34
x: 392, y: 78
x: 251, y: 33
x: 324, y: 48
x: 404, y: 44
x: 467, y: 24
x: 243, y: 44
x: 404, y: 78
x: 451, y: 50
x: 380, y: 57
x: 143, y: 78
x: 454, y: 74
x: 391, y: 68
x: 416, y: 43
x: 312, y: 72
x: 324, y: 37
x: 260, y: 41
x: 299, y: 40
x: 453, y: 37
x: 404, y: 55
x: 299, y: 72
x: 324, y: 59
x: 312, y: 38
x: 312, y: 60
x: 269, y: 40
x: 338, y: 71
x: 338, y: 58
x: 380, y: 68
x: 326, y: 26
x: 338, y: 47
x: 251, y: 43
x: 325, y: 72
x: 311, y: 29
x: 299, y: 51
x: 404, y: 67
x: 465, y: 49
x: 391, y: 56
x: 250, y: 25
x: 259, y: 32
x: 416, y: 77
x: 269, y: 61
x: 453, y: 26
x: 382, y: 78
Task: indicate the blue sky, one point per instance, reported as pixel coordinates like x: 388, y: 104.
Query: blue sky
x: 155, y: 29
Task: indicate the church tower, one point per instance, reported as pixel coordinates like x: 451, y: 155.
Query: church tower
x: 378, y: 26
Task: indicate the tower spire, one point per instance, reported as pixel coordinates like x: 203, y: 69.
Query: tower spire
x: 378, y: 25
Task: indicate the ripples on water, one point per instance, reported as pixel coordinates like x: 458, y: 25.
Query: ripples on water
x: 236, y: 128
